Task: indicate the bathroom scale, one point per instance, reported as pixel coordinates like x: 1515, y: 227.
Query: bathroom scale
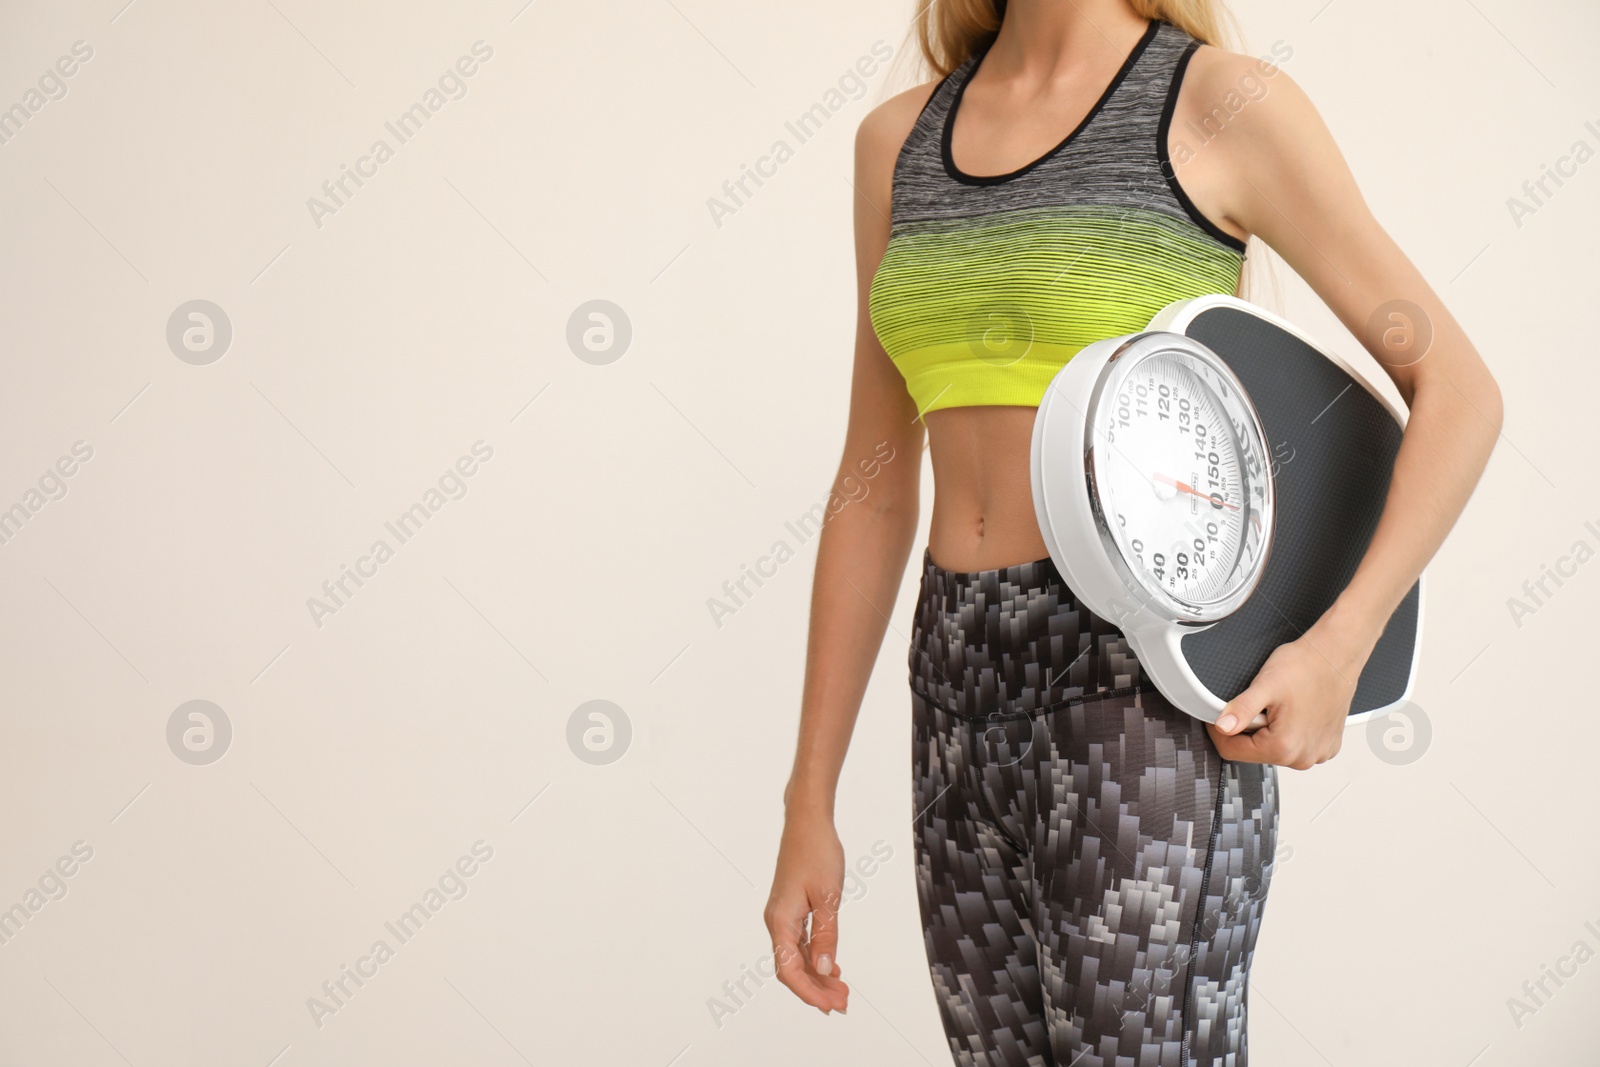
x: 1210, y: 485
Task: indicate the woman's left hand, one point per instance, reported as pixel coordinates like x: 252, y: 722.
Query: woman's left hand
x: 1305, y: 688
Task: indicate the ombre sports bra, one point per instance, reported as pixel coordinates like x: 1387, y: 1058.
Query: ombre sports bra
x: 989, y: 284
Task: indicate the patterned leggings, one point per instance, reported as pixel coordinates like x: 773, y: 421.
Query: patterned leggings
x: 1091, y: 872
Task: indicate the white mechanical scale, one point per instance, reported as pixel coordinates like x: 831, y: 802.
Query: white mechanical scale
x: 1209, y: 485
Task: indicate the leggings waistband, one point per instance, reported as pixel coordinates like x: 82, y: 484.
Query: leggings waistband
x: 1012, y: 641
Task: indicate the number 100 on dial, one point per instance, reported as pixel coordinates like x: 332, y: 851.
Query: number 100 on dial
x: 1179, y: 479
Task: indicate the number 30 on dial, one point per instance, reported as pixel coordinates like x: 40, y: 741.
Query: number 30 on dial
x: 1178, y: 475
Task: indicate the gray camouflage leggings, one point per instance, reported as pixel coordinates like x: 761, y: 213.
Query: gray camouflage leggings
x: 1091, y: 872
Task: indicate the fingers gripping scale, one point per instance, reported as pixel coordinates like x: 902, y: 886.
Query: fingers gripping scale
x: 1210, y: 485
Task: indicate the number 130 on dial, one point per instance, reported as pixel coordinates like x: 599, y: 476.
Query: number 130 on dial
x: 1179, y: 462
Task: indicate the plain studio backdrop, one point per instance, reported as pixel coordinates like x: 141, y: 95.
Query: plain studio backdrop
x: 327, y: 437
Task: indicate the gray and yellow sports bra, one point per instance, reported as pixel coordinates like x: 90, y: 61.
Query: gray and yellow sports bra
x: 989, y: 284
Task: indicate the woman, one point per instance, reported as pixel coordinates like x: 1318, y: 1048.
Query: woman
x: 1091, y: 862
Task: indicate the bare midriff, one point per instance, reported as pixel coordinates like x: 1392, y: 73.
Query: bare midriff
x: 983, y: 515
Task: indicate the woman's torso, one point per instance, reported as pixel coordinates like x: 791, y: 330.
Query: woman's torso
x: 990, y: 282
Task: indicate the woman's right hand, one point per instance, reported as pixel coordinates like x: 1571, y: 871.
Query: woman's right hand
x: 808, y: 882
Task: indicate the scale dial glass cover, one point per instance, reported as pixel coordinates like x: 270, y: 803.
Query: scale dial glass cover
x: 1179, y: 477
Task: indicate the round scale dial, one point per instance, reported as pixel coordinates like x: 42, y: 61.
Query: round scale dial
x: 1181, y: 484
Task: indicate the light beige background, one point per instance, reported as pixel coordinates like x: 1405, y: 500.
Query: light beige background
x: 431, y: 711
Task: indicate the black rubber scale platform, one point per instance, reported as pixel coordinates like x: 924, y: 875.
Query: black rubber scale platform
x: 1333, y: 445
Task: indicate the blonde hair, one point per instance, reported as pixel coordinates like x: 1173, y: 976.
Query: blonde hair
x: 948, y: 32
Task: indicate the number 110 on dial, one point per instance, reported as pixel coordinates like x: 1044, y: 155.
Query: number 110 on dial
x: 1182, y: 479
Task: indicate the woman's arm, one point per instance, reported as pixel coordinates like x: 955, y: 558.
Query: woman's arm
x: 1275, y: 172
x: 861, y: 558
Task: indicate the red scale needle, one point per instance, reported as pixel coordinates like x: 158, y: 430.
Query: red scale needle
x: 1184, y: 487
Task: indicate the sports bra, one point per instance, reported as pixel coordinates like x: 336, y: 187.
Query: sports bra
x: 989, y: 284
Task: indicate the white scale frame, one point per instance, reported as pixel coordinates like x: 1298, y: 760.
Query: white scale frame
x: 1084, y: 548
